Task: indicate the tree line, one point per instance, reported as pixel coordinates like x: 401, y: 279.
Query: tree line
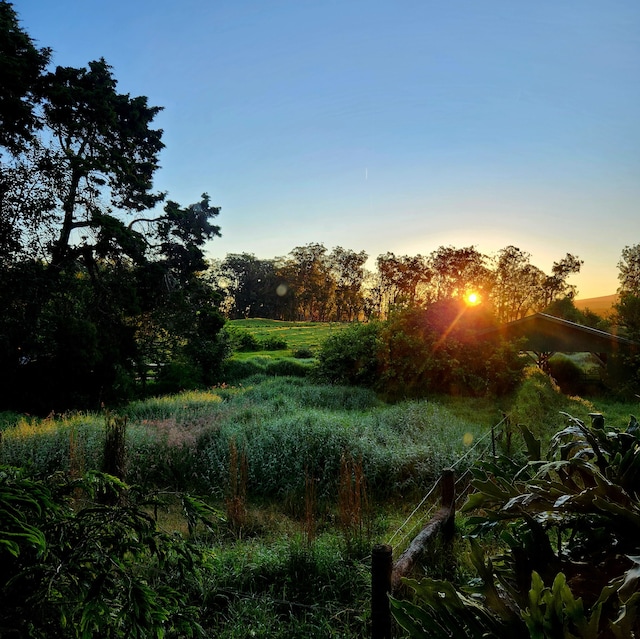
x: 314, y: 284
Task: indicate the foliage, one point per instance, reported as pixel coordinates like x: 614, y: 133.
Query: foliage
x: 287, y: 427
x: 309, y: 335
x: 565, y: 308
x: 96, y: 289
x: 22, y: 64
x: 415, y: 352
x: 351, y: 356
x: 538, y: 402
x: 303, y: 353
x: 314, y: 284
x: 90, y: 570
x: 442, y: 350
x: 629, y: 270
x: 567, y: 374
x: 273, y: 344
x: 242, y: 339
x: 570, y: 525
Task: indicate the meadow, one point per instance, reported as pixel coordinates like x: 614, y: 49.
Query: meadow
x: 284, y: 484
x: 297, y: 335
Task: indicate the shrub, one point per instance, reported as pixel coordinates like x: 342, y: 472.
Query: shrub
x: 538, y: 402
x: 567, y: 374
x: 304, y: 353
x: 445, y: 349
x: 176, y: 376
x: 242, y: 340
x: 350, y: 357
x: 95, y: 570
x: 287, y: 368
x: 234, y: 370
x: 273, y: 344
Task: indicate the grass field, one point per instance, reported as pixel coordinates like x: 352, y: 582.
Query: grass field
x: 297, y: 335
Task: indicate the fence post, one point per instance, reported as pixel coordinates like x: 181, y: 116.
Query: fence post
x: 448, y: 497
x: 381, y: 565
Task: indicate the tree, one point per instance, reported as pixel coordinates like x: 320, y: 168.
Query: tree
x: 629, y: 267
x: 21, y: 68
x: 99, y: 294
x: 106, y: 148
x: 456, y: 272
x: 516, y: 285
x: 254, y: 287
x: 307, y: 273
x: 348, y: 272
x: 400, y: 281
x: 555, y: 286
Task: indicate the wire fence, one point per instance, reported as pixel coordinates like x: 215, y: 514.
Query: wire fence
x: 418, y: 518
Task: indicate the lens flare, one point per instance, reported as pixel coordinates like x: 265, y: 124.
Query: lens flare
x: 472, y: 299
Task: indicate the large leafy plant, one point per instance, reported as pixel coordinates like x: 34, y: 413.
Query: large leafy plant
x: 569, y: 525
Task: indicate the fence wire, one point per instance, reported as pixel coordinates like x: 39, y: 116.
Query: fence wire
x: 427, y: 514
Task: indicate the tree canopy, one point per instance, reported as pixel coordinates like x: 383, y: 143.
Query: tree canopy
x: 100, y: 284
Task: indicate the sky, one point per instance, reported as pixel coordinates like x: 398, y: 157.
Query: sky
x: 385, y: 126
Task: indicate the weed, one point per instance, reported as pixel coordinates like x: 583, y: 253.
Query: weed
x: 354, y: 515
x: 310, y: 507
x: 236, y: 502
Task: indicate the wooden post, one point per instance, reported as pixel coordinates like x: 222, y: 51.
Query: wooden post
x: 448, y: 488
x: 443, y: 522
x: 381, y: 565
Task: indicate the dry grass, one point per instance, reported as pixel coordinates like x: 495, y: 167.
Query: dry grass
x: 354, y: 515
x: 236, y: 502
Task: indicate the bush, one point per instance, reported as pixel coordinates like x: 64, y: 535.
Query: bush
x: 304, y: 353
x: 567, y: 374
x: 287, y: 368
x: 570, y: 523
x: 445, y: 348
x: 415, y: 352
x: 89, y: 571
x: 236, y: 370
x: 242, y: 340
x: 273, y: 344
x: 350, y: 357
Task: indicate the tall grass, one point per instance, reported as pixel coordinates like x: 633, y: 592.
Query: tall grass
x: 285, y: 426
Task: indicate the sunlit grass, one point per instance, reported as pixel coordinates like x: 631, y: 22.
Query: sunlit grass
x: 297, y: 335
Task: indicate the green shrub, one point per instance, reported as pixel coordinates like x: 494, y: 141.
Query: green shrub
x: 567, y: 374
x: 176, y: 376
x: 273, y: 344
x: 287, y: 368
x: 416, y: 352
x: 538, y: 402
x: 235, y: 370
x: 93, y: 570
x: 241, y: 339
x: 446, y: 349
x: 304, y: 353
x: 350, y: 357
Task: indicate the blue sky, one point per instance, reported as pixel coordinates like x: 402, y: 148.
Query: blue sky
x: 385, y: 126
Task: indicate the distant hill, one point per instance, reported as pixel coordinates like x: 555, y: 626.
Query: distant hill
x: 600, y: 305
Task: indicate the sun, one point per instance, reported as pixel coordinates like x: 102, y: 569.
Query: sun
x: 472, y: 299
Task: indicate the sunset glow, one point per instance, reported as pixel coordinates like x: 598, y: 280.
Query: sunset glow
x: 472, y: 299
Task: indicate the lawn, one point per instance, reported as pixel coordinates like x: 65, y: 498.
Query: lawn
x: 297, y: 335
